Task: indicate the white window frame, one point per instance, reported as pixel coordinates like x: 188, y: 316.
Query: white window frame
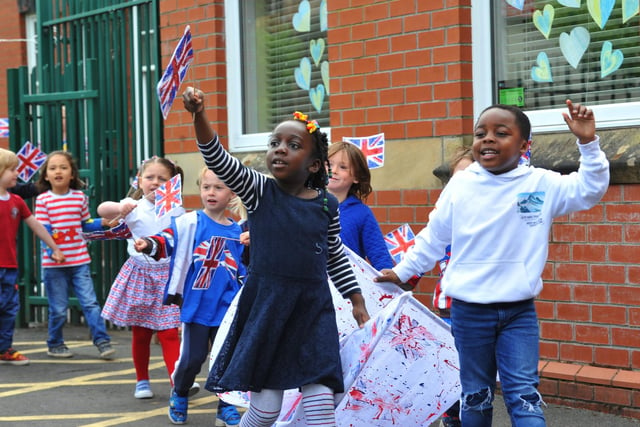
x: 238, y: 141
x: 607, y: 116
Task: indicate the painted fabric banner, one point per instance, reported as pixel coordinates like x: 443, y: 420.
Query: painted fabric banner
x: 400, y: 369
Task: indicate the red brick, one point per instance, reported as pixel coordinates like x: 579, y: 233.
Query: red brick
x: 572, y: 311
x: 607, y: 356
x: 627, y: 379
x: 414, y: 197
x: 595, y: 214
x: 560, y: 252
x: 623, y: 213
x: 572, y: 272
x: 402, y: 214
x: 434, y: 38
x: 605, y: 233
x: 612, y: 395
x: 575, y: 390
x: 556, y: 331
x: 588, y: 252
x: 561, y: 371
x: 627, y: 337
x: 576, y: 353
x: 624, y: 253
x: 556, y: 292
x: 608, y: 273
x: 568, y: 233
x: 388, y: 198
x: 592, y: 334
x: 389, y: 27
x: 627, y: 295
x: 631, y: 193
x: 549, y: 350
x: 404, y: 42
x: 608, y: 314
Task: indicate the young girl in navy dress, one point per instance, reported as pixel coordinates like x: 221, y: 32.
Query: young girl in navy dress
x: 205, y: 276
x: 284, y: 334
x: 135, y: 298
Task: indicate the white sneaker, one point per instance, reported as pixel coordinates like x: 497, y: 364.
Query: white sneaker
x: 195, y: 388
x: 143, y: 390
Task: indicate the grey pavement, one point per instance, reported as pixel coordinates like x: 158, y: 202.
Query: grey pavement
x: 87, y: 391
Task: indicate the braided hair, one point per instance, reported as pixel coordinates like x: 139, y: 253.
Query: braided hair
x: 320, y: 140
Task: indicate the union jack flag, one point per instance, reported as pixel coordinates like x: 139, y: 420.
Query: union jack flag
x: 169, y: 196
x: 210, y: 263
x: 176, y: 70
x: 4, y: 128
x: 119, y: 232
x: 399, y: 241
x: 372, y: 147
x: 30, y: 158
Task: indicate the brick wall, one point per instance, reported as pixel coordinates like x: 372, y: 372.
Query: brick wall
x: 14, y: 53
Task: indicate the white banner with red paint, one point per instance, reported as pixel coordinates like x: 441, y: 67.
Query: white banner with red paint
x: 400, y: 369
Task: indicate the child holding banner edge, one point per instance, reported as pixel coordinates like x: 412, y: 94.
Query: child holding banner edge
x: 285, y: 315
x: 503, y: 213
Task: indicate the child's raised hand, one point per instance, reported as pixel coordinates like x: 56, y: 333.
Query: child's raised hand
x: 244, y: 238
x: 126, y: 208
x: 140, y: 245
x: 193, y: 100
x: 581, y: 122
x: 359, y: 311
x: 58, y: 256
x: 388, y: 275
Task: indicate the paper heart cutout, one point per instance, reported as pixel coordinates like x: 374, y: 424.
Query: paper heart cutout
x: 570, y: 3
x: 303, y: 74
x: 610, y: 60
x: 317, y: 97
x: 600, y: 10
x: 316, y: 47
x: 518, y: 4
x: 630, y: 8
x: 574, y: 45
x: 302, y: 19
x: 541, y: 73
x: 323, y: 16
x: 324, y: 72
x: 544, y: 20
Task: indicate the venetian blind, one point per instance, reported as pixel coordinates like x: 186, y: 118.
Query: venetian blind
x: 549, y: 51
x: 285, y: 62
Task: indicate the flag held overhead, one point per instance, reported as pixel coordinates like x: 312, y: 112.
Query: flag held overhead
x: 175, y: 72
x: 30, y: 159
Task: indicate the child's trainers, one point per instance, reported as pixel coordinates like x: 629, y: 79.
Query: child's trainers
x: 227, y: 416
x: 61, y: 351
x: 178, y: 408
x: 12, y: 357
x: 447, y: 421
x: 143, y: 390
x: 105, y: 350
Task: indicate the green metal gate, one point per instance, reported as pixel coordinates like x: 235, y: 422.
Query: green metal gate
x: 92, y: 92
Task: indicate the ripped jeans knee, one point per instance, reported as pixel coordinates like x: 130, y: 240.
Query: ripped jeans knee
x: 532, y: 402
x: 478, y: 401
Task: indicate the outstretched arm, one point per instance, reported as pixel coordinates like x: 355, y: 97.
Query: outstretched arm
x: 193, y: 100
x: 44, y: 235
x: 581, y: 122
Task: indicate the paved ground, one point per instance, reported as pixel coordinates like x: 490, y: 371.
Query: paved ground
x: 86, y: 391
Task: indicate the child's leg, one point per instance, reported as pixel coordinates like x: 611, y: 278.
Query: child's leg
x: 56, y: 283
x: 193, y: 352
x: 9, y: 305
x: 140, y: 351
x: 264, y: 409
x: 474, y: 327
x: 170, y: 342
x: 318, y: 404
x: 86, y: 294
x: 517, y: 353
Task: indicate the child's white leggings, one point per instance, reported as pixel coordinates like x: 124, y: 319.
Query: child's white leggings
x: 317, y: 401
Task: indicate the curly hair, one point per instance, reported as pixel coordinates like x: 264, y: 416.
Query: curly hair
x: 320, y: 140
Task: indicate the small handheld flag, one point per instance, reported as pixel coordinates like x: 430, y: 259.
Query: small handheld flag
x: 174, y: 74
x: 169, y: 196
x: 399, y: 241
x: 4, y: 128
x: 372, y: 147
x: 119, y: 232
x: 30, y: 158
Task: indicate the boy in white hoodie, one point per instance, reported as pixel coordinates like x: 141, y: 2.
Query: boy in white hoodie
x: 496, y: 215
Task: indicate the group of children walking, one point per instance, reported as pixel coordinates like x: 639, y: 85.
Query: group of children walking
x: 184, y: 269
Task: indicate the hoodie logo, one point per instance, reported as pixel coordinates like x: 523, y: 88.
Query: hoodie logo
x: 530, y: 207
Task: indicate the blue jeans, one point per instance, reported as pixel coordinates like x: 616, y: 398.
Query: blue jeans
x: 9, y: 305
x: 58, y: 282
x: 498, y: 338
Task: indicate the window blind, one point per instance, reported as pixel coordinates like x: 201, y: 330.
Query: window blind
x: 548, y: 52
